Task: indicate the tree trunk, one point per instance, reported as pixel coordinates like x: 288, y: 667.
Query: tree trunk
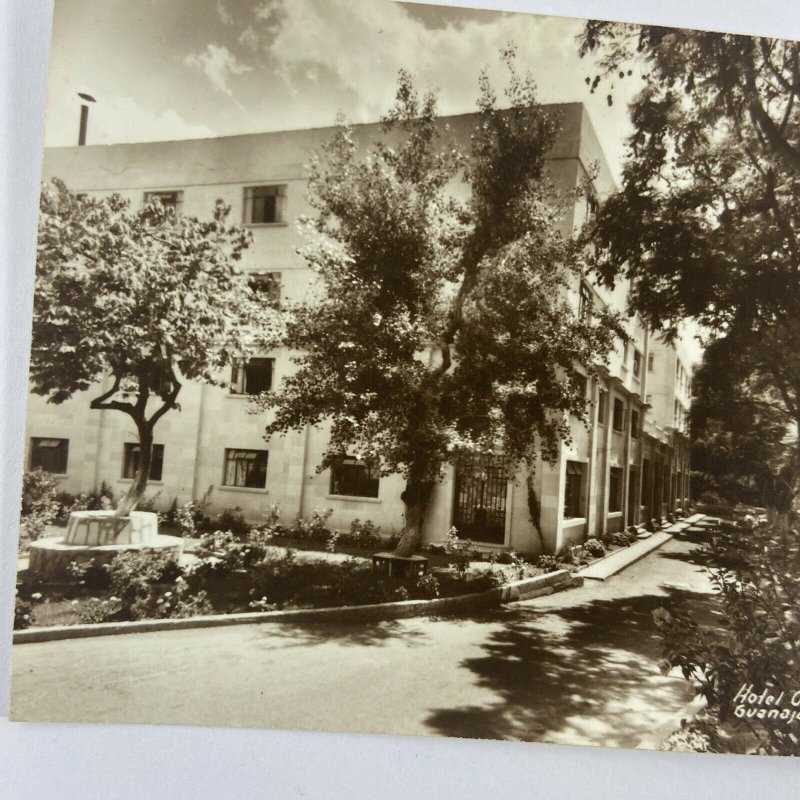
x: 136, y: 490
x: 416, y: 497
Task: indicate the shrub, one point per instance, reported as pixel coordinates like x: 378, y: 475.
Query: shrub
x: 620, y: 539
x: 90, y: 575
x: 594, y: 548
x: 315, y: 528
x: 426, y: 587
x: 40, y: 504
x: 23, y: 612
x: 262, y: 534
x: 94, y: 610
x: 757, y: 638
x: 148, y: 503
x: 232, y: 519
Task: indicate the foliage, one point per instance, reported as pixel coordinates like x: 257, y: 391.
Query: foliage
x: 410, y: 276
x: 232, y: 519
x: 315, y: 527
x: 740, y: 432
x: 39, y: 503
x: 706, y: 222
x: 594, y: 548
x: 141, y: 299
x: 23, y: 610
x: 620, y: 539
x: 756, y: 640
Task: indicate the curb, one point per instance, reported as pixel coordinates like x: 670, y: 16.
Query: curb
x: 516, y: 590
x: 648, y: 545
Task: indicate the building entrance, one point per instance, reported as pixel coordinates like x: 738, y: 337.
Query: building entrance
x: 479, y: 509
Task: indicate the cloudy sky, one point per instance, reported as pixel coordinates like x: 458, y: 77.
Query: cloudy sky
x: 198, y: 68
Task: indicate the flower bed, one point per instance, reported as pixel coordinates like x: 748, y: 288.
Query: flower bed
x: 233, y: 575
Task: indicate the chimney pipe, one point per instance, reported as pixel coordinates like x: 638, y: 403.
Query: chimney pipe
x: 84, y: 117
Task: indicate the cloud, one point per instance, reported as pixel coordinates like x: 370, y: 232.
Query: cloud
x: 249, y: 38
x: 218, y: 64
x: 363, y: 44
x: 223, y: 13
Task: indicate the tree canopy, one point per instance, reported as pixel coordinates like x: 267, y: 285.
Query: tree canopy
x: 142, y: 298
x: 706, y: 221
x: 442, y: 324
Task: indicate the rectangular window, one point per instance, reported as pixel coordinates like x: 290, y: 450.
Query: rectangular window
x: 615, y: 489
x: 266, y: 285
x: 246, y: 468
x: 264, y: 205
x: 584, y: 303
x: 634, y: 424
x: 50, y: 455
x: 637, y: 363
x: 580, y: 383
x: 602, y: 404
x: 253, y: 376
x: 171, y: 200
x: 650, y: 360
x: 572, y: 490
x: 131, y: 460
x: 619, y: 415
x: 354, y: 478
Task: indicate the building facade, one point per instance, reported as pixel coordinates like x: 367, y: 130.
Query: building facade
x: 629, y: 465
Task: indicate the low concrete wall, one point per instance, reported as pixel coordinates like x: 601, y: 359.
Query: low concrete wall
x: 516, y: 590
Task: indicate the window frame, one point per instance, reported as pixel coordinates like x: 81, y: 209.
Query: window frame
x: 602, y: 406
x: 573, y: 498
x: 229, y: 459
x: 130, y: 452
x: 615, y: 497
x: 36, y: 446
x: 239, y: 376
x: 635, y: 423
x: 585, y: 298
x: 176, y: 207
x: 618, y: 403
x: 337, y: 478
x: 636, y: 366
x: 280, y: 205
x: 268, y: 284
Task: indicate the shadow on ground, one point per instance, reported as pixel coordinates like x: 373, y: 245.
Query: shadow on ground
x: 584, y: 675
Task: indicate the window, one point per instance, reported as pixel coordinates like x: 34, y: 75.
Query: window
x: 172, y: 201
x: 584, y: 303
x: 614, y: 490
x: 602, y: 403
x: 619, y: 415
x: 264, y: 205
x: 637, y: 363
x: 580, y: 384
x: 267, y: 285
x: 634, y: 424
x: 246, y: 468
x: 675, y: 414
x: 252, y: 377
x: 572, y: 490
x: 625, y: 354
x: 650, y: 360
x: 354, y: 478
x: 131, y: 460
x: 50, y: 455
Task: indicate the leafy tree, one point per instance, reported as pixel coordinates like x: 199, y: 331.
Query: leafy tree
x: 442, y: 324
x: 740, y: 430
x: 145, y: 299
x: 707, y: 219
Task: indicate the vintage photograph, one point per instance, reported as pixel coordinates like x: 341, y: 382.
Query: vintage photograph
x: 412, y: 369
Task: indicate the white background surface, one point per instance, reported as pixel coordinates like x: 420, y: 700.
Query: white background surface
x: 92, y: 761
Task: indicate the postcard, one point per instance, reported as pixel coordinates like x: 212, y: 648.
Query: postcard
x: 414, y: 369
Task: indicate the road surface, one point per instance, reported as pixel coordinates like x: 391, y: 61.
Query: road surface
x: 579, y: 667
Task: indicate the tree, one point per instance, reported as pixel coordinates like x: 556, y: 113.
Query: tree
x: 442, y: 325
x: 706, y: 221
x: 740, y: 430
x: 144, y: 298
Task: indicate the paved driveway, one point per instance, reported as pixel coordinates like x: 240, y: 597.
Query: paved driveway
x: 580, y: 667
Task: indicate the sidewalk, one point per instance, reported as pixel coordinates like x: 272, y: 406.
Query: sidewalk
x: 580, y: 667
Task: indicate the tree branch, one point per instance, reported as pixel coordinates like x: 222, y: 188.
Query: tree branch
x: 100, y: 403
